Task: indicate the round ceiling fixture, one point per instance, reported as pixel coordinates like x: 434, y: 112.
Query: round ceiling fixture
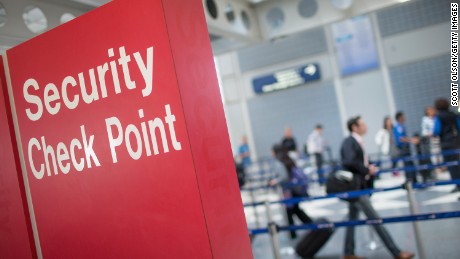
x: 342, y: 4
x: 35, y: 19
x: 67, y: 17
x: 275, y: 18
x: 229, y: 13
x: 246, y: 20
x: 308, y: 8
x: 212, y: 8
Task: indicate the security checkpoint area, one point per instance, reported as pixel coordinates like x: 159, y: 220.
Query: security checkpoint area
x: 414, y: 214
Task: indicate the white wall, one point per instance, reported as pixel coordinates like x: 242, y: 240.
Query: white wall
x: 364, y: 95
x: 235, y: 101
x: 418, y: 44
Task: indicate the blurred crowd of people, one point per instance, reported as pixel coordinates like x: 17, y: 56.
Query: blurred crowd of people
x: 439, y: 132
x: 439, y: 136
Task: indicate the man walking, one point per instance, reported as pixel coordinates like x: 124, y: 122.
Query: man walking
x: 354, y: 159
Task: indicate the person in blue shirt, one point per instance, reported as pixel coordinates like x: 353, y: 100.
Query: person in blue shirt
x: 447, y: 127
x: 243, y: 152
x: 403, y: 144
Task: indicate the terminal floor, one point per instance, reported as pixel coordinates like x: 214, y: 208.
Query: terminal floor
x: 440, y: 238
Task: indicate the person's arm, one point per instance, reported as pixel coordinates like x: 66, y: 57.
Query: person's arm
x: 280, y: 172
x: 437, y: 127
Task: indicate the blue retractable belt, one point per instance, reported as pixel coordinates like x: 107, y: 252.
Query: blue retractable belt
x: 419, y: 217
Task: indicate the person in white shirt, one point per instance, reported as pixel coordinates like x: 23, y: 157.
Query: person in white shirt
x: 382, y: 138
x: 386, y: 142
x: 316, y: 146
x: 428, y: 122
x: 427, y: 135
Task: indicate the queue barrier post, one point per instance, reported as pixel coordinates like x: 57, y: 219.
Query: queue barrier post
x: 415, y: 224
x: 273, y: 231
x: 254, y: 207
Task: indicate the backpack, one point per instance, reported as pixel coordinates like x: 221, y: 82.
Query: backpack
x: 298, y: 183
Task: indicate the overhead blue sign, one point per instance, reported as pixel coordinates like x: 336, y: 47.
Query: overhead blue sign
x: 286, y: 79
x: 355, y: 45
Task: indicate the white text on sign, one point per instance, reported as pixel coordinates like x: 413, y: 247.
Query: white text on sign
x: 79, y: 153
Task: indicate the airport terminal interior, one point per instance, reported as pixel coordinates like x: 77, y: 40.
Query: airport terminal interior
x: 297, y: 71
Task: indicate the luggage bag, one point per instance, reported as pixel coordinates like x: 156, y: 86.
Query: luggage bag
x: 312, y: 241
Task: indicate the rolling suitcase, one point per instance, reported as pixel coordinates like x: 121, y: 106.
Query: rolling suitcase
x: 312, y: 242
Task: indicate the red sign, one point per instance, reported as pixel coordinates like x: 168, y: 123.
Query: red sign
x: 124, y: 139
x: 16, y: 239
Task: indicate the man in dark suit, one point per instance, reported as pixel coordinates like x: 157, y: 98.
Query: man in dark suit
x: 354, y: 159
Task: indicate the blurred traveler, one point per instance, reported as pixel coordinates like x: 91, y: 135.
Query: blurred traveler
x: 284, y: 167
x: 427, y: 131
x: 428, y: 142
x: 422, y: 150
x: 428, y: 122
x: 243, y: 152
x: 316, y: 146
x: 447, y: 127
x: 386, y: 143
x: 240, y: 173
x: 355, y: 160
x: 403, y: 144
x: 289, y: 144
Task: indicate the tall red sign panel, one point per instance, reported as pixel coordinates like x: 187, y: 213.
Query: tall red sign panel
x: 15, y: 230
x: 123, y: 136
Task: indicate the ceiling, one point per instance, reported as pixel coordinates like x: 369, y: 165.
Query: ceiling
x: 239, y: 23
x: 96, y: 3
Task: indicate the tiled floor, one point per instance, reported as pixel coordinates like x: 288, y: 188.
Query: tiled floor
x: 440, y: 238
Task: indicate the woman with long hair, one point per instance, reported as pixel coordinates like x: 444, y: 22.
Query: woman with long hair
x: 385, y: 140
x: 285, y: 180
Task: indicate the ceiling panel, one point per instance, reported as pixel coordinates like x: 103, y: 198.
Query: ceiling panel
x: 92, y: 2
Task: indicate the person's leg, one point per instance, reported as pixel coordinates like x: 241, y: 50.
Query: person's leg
x: 366, y: 206
x: 319, y: 166
x: 302, y: 215
x: 426, y: 173
x: 353, y: 213
x: 425, y: 159
x: 290, y: 212
x: 319, y: 162
x: 454, y: 171
x: 411, y: 175
x: 394, y: 164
